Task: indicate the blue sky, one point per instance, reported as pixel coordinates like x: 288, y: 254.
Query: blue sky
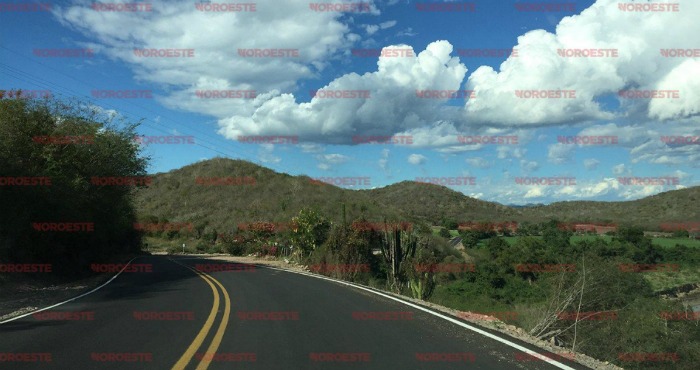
x: 325, y: 127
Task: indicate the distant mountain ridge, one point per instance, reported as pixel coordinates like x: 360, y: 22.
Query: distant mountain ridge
x: 529, y: 205
x: 276, y: 197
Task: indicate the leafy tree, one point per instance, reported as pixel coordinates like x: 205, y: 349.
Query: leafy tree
x: 199, y: 228
x: 449, y: 224
x: 107, y: 150
x: 556, y: 237
x: 309, y: 231
x: 630, y: 234
x: 470, y: 239
x: 496, y: 246
x: 445, y: 233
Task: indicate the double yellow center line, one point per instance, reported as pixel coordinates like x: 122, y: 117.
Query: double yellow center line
x: 201, y: 336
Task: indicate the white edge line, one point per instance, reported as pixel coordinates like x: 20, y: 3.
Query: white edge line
x: 72, y: 299
x: 460, y: 323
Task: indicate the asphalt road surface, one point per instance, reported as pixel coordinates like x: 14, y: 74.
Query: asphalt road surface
x: 179, y: 316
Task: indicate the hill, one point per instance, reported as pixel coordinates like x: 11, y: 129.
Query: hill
x: 275, y: 197
x: 175, y: 196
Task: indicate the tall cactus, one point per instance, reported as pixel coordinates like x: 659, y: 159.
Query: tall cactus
x: 422, y: 285
x: 396, y: 245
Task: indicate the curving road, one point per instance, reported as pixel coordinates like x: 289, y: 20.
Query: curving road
x: 249, y: 317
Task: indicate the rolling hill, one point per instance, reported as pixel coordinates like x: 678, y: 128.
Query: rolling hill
x: 176, y: 196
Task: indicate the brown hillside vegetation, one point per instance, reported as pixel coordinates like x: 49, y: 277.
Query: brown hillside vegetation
x: 277, y: 197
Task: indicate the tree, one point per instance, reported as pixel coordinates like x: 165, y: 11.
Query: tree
x: 103, y: 149
x: 470, y: 239
x: 199, y: 228
x: 630, y: 234
x: 309, y: 231
x: 445, y: 233
x: 449, y: 224
x: 556, y: 237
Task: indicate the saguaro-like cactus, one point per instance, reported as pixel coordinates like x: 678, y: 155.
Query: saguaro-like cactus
x: 398, y: 242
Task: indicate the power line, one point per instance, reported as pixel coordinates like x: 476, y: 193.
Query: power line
x: 149, y: 123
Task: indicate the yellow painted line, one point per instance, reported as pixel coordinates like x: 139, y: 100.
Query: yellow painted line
x: 199, y: 339
x: 204, y: 364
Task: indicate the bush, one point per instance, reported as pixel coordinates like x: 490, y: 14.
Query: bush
x: 202, y: 246
x: 72, y: 195
x: 445, y: 233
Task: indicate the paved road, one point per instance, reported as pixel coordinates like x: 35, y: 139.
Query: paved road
x: 259, y: 318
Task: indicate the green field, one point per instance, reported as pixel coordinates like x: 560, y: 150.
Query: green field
x: 671, y: 242
x: 436, y: 231
x: 661, y: 242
